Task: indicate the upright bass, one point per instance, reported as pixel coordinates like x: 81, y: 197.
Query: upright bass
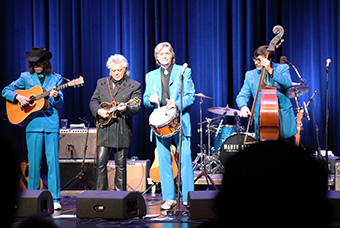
x: 269, y: 116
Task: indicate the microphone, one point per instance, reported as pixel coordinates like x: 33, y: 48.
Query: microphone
x: 328, y: 61
x: 185, y: 65
x: 311, y: 98
x: 306, y: 110
x: 284, y: 59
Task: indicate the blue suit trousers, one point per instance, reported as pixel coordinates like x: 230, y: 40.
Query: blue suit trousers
x: 36, y: 141
x: 165, y: 167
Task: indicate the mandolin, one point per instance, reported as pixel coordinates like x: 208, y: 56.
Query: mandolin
x: 112, y: 109
x: 154, y: 170
x: 22, y: 115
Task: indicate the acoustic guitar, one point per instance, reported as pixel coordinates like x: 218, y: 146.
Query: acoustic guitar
x: 154, y: 170
x: 24, y: 176
x: 22, y: 115
x: 112, y: 109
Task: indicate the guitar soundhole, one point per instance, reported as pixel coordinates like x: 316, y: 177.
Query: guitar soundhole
x: 30, y: 107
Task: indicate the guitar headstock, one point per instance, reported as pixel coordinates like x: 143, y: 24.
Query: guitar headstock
x: 76, y: 82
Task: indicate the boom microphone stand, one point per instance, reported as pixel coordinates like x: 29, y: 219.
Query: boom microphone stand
x: 178, y: 198
x: 328, y: 61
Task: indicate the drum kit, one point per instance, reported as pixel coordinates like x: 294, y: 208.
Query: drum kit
x: 226, y: 138
x: 165, y: 123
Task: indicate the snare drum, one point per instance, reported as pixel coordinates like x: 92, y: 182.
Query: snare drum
x: 231, y: 145
x: 164, y: 122
x: 225, y: 131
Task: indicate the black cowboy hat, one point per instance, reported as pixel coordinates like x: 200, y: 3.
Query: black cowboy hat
x: 38, y: 53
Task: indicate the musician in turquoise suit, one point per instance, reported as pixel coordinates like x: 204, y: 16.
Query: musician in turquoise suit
x: 277, y: 75
x: 163, y: 87
x: 42, y: 132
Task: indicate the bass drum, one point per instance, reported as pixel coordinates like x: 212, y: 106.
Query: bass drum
x: 230, y: 146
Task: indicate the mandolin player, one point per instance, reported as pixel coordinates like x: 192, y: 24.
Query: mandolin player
x: 277, y: 75
x: 116, y: 134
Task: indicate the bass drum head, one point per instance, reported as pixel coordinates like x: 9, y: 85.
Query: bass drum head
x: 230, y: 146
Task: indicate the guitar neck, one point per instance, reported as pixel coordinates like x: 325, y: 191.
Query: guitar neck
x: 46, y: 93
x: 115, y: 108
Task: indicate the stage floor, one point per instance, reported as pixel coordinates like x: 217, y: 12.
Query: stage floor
x: 155, y: 218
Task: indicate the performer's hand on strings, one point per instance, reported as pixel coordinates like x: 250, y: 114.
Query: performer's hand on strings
x: 54, y: 93
x: 266, y: 63
x: 22, y: 100
x: 103, y: 113
x: 122, y: 107
x: 245, y: 112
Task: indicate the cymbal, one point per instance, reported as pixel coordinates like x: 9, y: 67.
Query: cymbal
x: 201, y: 95
x: 297, y: 91
x: 222, y: 110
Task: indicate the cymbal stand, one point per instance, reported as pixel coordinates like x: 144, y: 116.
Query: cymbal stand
x: 204, y: 172
x: 197, y: 164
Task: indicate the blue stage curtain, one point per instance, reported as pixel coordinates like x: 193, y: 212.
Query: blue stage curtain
x: 217, y: 39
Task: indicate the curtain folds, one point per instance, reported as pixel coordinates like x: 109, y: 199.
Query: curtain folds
x: 216, y: 38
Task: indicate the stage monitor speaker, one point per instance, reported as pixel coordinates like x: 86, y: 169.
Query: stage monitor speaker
x: 137, y: 173
x: 334, y: 200
x: 110, y: 205
x: 72, y: 143
x: 34, y: 203
x: 202, y: 204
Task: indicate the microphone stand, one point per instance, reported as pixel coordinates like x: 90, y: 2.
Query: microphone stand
x: 327, y: 118
x: 304, y: 81
x: 180, y: 147
x: 316, y: 129
x: 178, y: 197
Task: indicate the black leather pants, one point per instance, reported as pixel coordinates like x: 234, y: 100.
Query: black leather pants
x: 103, y: 155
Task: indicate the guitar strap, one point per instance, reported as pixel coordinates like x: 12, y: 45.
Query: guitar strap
x: 108, y: 85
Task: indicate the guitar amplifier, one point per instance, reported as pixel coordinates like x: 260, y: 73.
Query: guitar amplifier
x: 137, y: 172
x: 72, y: 143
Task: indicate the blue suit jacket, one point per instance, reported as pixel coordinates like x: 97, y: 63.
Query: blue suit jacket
x: 47, y: 121
x: 153, y: 79
x: 282, y: 81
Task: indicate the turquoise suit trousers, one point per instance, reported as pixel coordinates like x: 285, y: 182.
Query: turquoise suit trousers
x: 37, y: 143
x: 165, y: 167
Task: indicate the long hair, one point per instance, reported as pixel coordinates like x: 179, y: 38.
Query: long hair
x: 46, y: 65
x: 159, y: 47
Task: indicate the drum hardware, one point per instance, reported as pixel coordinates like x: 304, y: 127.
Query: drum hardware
x: 224, y: 111
x: 297, y: 91
x: 204, y: 171
x: 200, y: 156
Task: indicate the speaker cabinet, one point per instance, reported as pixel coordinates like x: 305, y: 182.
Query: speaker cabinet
x: 110, y: 205
x: 202, y: 204
x: 137, y: 173
x: 72, y: 143
x: 69, y: 168
x: 34, y: 202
